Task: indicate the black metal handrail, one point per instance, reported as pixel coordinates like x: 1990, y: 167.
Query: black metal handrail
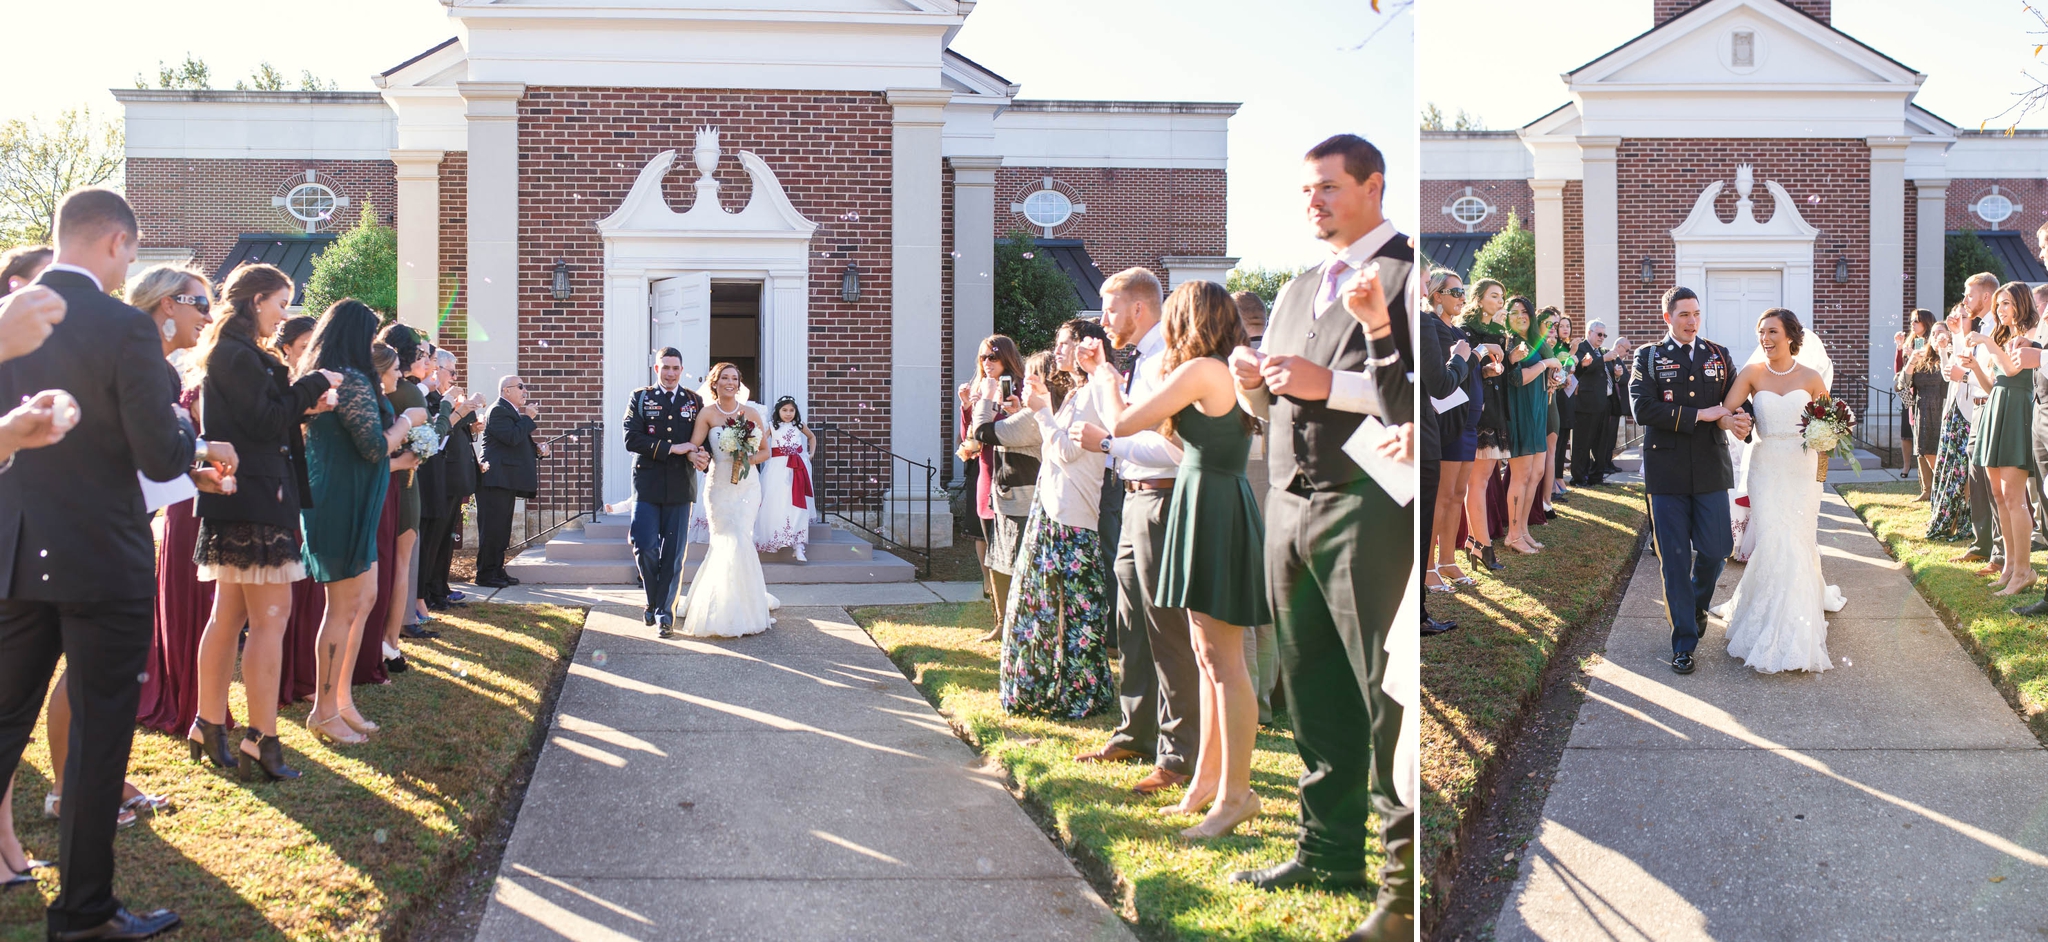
x: 1880, y: 428
x: 570, y: 484
x: 876, y: 491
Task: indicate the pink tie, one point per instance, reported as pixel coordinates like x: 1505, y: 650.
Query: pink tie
x: 1333, y: 279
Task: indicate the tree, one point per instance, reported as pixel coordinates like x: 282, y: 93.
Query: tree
x: 308, y: 82
x: 1260, y: 280
x: 1509, y: 258
x: 1433, y: 120
x: 1033, y: 297
x: 1964, y: 255
x: 2035, y: 96
x: 39, y: 163
x: 361, y: 264
x: 267, y: 78
x: 192, y: 73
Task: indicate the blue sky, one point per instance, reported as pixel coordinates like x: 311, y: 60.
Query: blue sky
x: 1298, y: 66
x: 1501, y: 60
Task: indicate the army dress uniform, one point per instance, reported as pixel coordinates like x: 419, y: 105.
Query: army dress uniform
x: 664, y: 486
x: 1688, y: 472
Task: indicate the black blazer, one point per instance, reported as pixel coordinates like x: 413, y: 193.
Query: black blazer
x: 247, y: 399
x: 510, y: 451
x: 459, y: 458
x: 73, y: 527
x: 1669, y: 388
x: 433, y: 472
x: 655, y: 421
x: 1591, y: 399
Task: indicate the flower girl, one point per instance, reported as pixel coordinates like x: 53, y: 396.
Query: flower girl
x: 787, y: 501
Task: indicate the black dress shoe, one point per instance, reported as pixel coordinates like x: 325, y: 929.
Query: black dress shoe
x: 396, y: 665
x: 512, y: 579
x: 647, y: 617
x: 2037, y: 609
x: 494, y: 582
x: 1434, y: 626
x: 1681, y: 662
x: 124, y: 926
x: 1294, y: 873
x: 665, y: 632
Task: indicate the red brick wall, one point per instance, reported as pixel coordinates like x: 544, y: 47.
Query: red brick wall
x: 580, y: 149
x: 1829, y: 178
x: 1135, y: 216
x: 453, y: 291
x: 1575, y: 254
x: 2031, y: 196
x: 1666, y: 9
x: 204, y: 203
x: 1502, y: 195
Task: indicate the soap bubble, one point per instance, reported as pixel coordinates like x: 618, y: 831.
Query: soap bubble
x: 142, y: 678
x: 984, y: 865
x: 380, y: 836
x: 1031, y: 255
x: 599, y: 658
x: 461, y: 670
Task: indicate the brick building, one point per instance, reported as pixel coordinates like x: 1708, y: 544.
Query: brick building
x: 813, y: 191
x: 1751, y: 151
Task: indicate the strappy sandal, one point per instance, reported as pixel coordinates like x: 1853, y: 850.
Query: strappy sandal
x: 1438, y: 586
x: 1460, y: 579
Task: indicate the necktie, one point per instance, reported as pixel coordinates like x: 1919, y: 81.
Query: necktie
x: 1333, y: 278
x: 1129, y: 356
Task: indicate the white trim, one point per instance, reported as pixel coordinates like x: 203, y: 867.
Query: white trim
x: 1117, y: 134
x: 255, y: 125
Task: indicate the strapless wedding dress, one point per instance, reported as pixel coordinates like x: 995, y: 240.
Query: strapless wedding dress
x: 1777, y: 618
x: 728, y: 597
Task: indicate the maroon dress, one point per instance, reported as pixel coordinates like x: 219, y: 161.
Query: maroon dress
x: 370, y: 659
x: 299, y: 674
x: 170, y: 691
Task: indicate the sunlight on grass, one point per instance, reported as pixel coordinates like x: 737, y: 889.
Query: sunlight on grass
x: 369, y: 832
x: 1172, y: 887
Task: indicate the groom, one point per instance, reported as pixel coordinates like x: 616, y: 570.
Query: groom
x: 1676, y: 394
x: 659, y: 425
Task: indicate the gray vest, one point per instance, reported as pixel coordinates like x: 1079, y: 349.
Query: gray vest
x: 1306, y: 437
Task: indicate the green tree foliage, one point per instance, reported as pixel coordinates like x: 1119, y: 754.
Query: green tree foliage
x: 1433, y: 119
x: 1509, y: 258
x: 40, y: 162
x: 191, y: 73
x: 1965, y: 255
x: 1033, y: 297
x: 267, y: 78
x: 1260, y: 280
x: 361, y: 264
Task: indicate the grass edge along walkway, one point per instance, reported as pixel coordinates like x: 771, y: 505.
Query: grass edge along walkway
x: 1167, y: 888
x: 2011, y: 649
x: 1482, y: 682
x: 373, y: 838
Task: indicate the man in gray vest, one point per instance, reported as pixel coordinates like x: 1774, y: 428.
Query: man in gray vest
x: 1318, y: 376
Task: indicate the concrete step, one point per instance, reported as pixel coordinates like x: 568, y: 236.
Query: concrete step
x: 534, y: 566
x: 836, y: 546
x: 616, y: 527
x: 570, y: 546
x: 884, y: 567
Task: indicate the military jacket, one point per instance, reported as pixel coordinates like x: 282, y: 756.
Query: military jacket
x: 655, y: 420
x: 1682, y: 455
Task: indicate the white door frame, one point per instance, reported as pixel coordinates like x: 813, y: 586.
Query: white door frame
x: 1738, y: 347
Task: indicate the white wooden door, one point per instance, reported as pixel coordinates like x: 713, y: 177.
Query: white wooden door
x: 1735, y: 299
x: 681, y: 313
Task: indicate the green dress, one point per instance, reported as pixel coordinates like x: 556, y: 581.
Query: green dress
x: 1528, y: 410
x: 408, y: 396
x: 2005, y: 436
x: 349, y: 470
x: 1215, y: 549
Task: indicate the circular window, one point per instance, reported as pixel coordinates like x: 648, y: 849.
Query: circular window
x: 1048, y: 208
x: 1470, y: 210
x: 310, y: 203
x: 1994, y: 208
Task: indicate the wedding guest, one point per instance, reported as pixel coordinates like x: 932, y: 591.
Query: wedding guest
x: 1589, y: 404
x: 249, y: 542
x: 1528, y: 417
x: 1251, y: 309
x: 786, y: 497
x: 76, y: 568
x: 460, y: 468
x: 1948, y: 484
x: 660, y: 421
x: 1618, y: 351
x: 298, y: 673
x: 431, y: 478
x: 27, y: 312
x: 2004, y: 443
x: 1985, y: 546
x: 1009, y: 439
x: 1562, y: 417
x: 414, y: 365
x: 1929, y: 393
x: 348, y: 466
x: 1055, y: 659
x: 1445, y: 364
x: 377, y: 661
x: 511, y: 471
x: 1211, y: 519
x: 1159, y: 680
x: 1484, y: 322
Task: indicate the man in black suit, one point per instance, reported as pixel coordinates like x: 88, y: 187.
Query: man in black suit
x: 77, y: 562
x: 453, y: 478
x: 1334, y: 587
x: 511, y: 470
x: 660, y: 421
x: 1589, y: 404
x: 1676, y: 392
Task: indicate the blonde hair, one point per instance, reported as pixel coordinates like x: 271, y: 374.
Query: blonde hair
x: 1135, y: 281
x: 147, y: 290
x: 1982, y: 279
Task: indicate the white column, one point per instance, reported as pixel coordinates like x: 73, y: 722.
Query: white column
x: 1602, y: 214
x: 1887, y: 252
x: 915, y: 242
x: 974, y: 237
x: 626, y: 348
x: 1550, y: 244
x: 419, y: 238
x: 786, y: 336
x: 492, y: 291
x: 1930, y: 242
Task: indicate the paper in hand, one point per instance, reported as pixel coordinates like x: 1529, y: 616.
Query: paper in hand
x: 157, y: 495
x: 1455, y: 399
x: 1397, y: 478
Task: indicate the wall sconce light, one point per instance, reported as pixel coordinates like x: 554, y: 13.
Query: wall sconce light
x: 849, y: 283
x: 1841, y: 269
x: 561, y: 284
x: 1649, y: 271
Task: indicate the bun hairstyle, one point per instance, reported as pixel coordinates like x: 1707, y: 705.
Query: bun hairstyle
x: 1795, y: 332
x: 775, y: 416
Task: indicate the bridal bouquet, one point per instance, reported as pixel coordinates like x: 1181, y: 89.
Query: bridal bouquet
x: 739, y: 438
x: 1824, y: 426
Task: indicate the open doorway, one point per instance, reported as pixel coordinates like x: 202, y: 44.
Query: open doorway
x: 736, y: 328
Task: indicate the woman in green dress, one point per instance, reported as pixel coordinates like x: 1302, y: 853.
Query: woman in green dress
x: 401, y: 608
x: 348, y: 466
x: 2004, y: 446
x: 1528, y: 382
x: 1213, y: 562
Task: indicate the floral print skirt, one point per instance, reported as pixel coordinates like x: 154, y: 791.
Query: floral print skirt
x: 1949, y: 507
x: 1056, y: 651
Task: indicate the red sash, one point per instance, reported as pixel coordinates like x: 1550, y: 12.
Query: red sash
x: 799, y: 473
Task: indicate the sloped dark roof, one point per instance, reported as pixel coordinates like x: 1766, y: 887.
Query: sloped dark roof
x: 443, y: 44
x: 1071, y: 255
x: 292, y: 251
x: 1454, y: 250
x: 2016, y: 250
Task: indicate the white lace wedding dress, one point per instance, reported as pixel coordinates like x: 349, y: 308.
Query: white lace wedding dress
x: 728, y: 597
x: 1776, y: 619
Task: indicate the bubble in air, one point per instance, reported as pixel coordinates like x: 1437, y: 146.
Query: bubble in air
x: 142, y: 678
x: 1815, y: 198
x: 956, y: 254
x: 380, y: 837
x: 598, y: 657
x: 984, y: 865
x: 461, y: 670
x: 1031, y: 255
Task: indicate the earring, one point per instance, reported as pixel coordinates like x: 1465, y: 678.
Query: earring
x: 170, y: 328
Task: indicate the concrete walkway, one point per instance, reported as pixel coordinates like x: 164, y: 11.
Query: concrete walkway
x: 1895, y: 796
x: 846, y: 595
x: 787, y: 786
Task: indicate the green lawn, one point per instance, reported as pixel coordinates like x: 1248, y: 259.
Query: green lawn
x: 1480, y: 681
x: 2013, y: 650
x: 370, y: 836
x: 1170, y: 887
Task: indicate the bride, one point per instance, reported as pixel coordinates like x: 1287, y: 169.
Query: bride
x: 728, y: 597
x: 1777, y: 620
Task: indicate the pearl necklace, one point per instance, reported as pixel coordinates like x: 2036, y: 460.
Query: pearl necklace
x: 735, y: 410
x: 1788, y: 370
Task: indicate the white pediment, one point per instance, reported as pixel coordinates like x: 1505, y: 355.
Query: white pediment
x: 1705, y: 224
x: 768, y: 212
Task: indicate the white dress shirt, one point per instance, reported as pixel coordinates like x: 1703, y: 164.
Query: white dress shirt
x: 1148, y: 455
x: 1069, y: 477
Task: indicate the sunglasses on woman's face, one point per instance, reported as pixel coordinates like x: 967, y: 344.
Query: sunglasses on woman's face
x: 1457, y: 292
x: 196, y: 301
x: 989, y: 356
